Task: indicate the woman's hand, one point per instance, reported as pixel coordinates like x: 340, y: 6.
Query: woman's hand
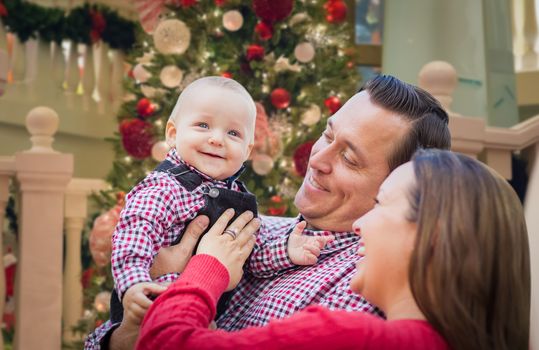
x: 231, y: 244
x: 174, y: 258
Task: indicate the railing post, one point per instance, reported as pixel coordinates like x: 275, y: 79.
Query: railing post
x: 7, y: 170
x: 43, y: 175
x: 75, y: 216
x: 531, y: 207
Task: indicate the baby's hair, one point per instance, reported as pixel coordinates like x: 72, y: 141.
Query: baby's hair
x: 221, y: 82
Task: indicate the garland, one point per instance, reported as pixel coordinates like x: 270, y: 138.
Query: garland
x: 84, y: 24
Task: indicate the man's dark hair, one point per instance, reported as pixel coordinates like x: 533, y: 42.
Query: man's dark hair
x: 428, y: 120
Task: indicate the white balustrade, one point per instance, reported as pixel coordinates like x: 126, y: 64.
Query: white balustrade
x: 526, y: 35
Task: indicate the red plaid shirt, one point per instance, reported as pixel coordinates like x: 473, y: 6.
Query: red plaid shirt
x: 273, y: 287
x: 154, y: 216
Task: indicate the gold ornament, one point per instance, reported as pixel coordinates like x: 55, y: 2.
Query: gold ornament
x: 172, y: 36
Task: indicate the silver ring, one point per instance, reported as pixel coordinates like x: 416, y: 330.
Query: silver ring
x: 232, y: 232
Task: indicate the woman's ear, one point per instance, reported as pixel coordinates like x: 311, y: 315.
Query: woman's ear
x: 170, y: 134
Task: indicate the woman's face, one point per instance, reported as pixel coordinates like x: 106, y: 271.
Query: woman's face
x: 388, y: 240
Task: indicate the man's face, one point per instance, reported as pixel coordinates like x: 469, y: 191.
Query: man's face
x: 348, y: 164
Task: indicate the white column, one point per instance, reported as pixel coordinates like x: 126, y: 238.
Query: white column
x: 531, y: 208
x: 7, y: 170
x: 520, y: 46
x: 43, y: 175
x: 75, y: 211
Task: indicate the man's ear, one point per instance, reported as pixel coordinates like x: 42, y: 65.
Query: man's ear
x: 170, y: 134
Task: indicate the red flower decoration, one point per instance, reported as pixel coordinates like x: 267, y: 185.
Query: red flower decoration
x: 188, y: 3
x: 301, y: 157
x: 264, y: 31
x: 220, y: 2
x: 280, y: 98
x: 335, y: 11
x: 333, y: 104
x: 277, y: 211
x: 145, y: 108
x: 86, y: 277
x: 3, y: 9
x: 255, y: 52
x: 137, y: 138
x: 271, y: 11
x: 98, y: 25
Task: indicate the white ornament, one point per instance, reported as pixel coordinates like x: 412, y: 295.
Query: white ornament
x: 171, y: 76
x: 232, y: 20
x: 141, y: 74
x: 172, y: 36
x: 151, y: 92
x: 262, y: 164
x: 311, y: 116
x: 147, y: 58
x: 102, y: 301
x: 283, y: 64
x: 298, y: 18
x: 304, y: 52
x: 160, y: 150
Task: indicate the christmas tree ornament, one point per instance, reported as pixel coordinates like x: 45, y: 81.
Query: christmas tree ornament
x: 188, y: 3
x: 160, y: 150
x: 146, y: 58
x: 220, y: 3
x: 280, y: 98
x: 172, y: 36
x: 171, y: 76
x: 264, y: 31
x: 232, y: 20
x: 102, y: 301
x: 312, y: 115
x: 298, y: 18
x: 151, y: 92
x: 145, y: 108
x: 255, y: 52
x: 333, y: 103
x: 149, y: 12
x: 301, y: 157
x: 262, y: 164
x: 271, y: 11
x: 335, y: 11
x: 226, y: 75
x: 266, y: 141
x: 141, y: 74
x: 101, y: 235
x: 137, y: 138
x: 304, y: 52
x: 283, y: 64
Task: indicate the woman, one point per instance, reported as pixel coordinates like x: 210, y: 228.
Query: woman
x: 445, y: 255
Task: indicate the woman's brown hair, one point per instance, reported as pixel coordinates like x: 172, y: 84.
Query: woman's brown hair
x: 470, y: 268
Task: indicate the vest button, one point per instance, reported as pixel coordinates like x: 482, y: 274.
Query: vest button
x: 214, y: 192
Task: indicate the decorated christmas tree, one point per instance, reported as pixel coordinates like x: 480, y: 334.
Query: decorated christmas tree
x: 290, y: 55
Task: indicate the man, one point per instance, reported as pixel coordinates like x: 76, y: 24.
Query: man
x: 378, y: 129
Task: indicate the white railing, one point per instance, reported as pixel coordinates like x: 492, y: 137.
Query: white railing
x: 526, y: 34
x: 49, y: 199
x: 473, y: 137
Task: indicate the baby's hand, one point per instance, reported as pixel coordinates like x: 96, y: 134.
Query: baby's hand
x: 137, y: 300
x: 305, y: 250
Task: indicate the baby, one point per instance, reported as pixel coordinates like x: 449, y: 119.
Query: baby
x: 211, y: 133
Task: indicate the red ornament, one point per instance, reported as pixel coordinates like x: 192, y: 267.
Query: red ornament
x: 3, y: 9
x: 98, y: 25
x: 335, y: 11
x: 278, y: 211
x: 86, y: 277
x: 350, y: 64
x: 333, y: 104
x: 145, y: 108
x: 226, y: 75
x: 255, y: 52
x: 276, y: 199
x: 301, y: 157
x: 264, y: 31
x: 271, y: 11
x: 188, y: 3
x: 280, y: 98
x: 137, y: 138
x: 220, y: 2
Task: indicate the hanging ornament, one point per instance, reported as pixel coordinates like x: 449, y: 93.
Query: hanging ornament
x: 160, y: 150
x: 264, y: 31
x: 226, y: 75
x: 232, y: 20
x: 188, y: 3
x: 141, y: 74
x: 262, y: 164
x: 146, y: 58
x: 98, y: 25
x: 335, y: 11
x: 172, y: 36
x: 283, y: 64
x: 280, y: 98
x: 255, y: 52
x: 312, y: 115
x: 333, y: 103
x: 102, y: 301
x: 145, y: 108
x: 304, y: 52
x: 266, y: 141
x: 298, y: 18
x: 101, y: 235
x: 171, y: 76
x: 277, y: 207
x: 272, y: 11
x: 301, y: 157
x: 149, y: 12
x: 137, y: 138
x: 220, y: 3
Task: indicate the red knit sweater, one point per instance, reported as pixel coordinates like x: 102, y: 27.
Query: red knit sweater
x: 179, y: 319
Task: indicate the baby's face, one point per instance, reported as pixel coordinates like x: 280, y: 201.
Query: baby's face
x: 213, y: 131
